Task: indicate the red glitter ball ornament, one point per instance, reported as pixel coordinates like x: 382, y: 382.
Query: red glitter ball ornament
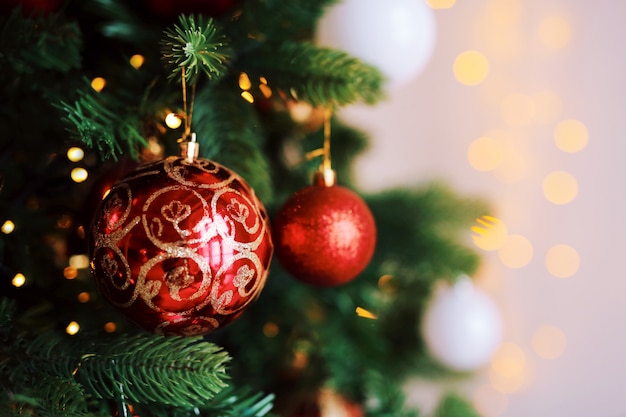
x: 324, y: 235
x: 180, y: 246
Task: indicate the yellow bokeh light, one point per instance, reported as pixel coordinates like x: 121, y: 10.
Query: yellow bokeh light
x: 18, y: 280
x: 517, y: 110
x: 361, y: 312
x: 246, y: 95
x: 490, y: 233
x: 79, y: 261
x: 136, y: 61
x: 265, y: 90
x: 72, y: 328
x: 69, y: 272
x: 548, y: 106
x: 270, y: 329
x: 7, y: 227
x: 75, y: 154
x: 562, y: 261
x: 560, y: 187
x: 79, y: 174
x: 549, y: 342
x: 173, y: 121
x: 485, y: 154
x: 470, y: 68
x: 508, y: 368
x: 517, y: 252
x: 84, y: 297
x: 571, y: 135
x: 110, y: 327
x: 555, y: 32
x: 489, y: 402
x: 244, y: 81
x: 440, y: 4
x: 98, y: 83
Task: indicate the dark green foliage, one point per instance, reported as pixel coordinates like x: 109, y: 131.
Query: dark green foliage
x: 454, y: 405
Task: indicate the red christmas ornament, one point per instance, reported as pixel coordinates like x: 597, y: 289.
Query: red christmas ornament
x: 324, y: 235
x: 180, y: 246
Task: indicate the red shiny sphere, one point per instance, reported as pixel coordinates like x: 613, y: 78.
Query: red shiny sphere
x: 180, y: 247
x: 324, y: 236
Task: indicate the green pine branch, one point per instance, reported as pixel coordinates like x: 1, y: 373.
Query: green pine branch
x: 320, y: 76
x: 196, y: 45
x: 454, y: 405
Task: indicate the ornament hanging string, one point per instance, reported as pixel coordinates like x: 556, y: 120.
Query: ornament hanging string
x: 188, y: 110
x: 325, y: 173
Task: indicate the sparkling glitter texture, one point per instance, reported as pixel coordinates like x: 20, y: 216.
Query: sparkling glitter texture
x: 181, y: 247
x: 324, y: 235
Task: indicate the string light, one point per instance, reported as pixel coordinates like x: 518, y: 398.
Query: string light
x: 246, y: 95
x: 560, y: 187
x: 79, y: 261
x: 7, y: 227
x: 79, y: 175
x: 84, y: 297
x: 244, y: 81
x: 69, y: 272
x: 136, y: 61
x: 18, y: 280
x: 571, y: 135
x: 98, y: 84
x: 173, y: 121
x: 75, y: 154
x: 72, y: 328
x: 490, y: 233
x: 361, y: 312
x: 110, y: 327
x: 562, y: 261
x: 471, y: 68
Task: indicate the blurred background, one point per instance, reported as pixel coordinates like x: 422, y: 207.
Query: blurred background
x: 521, y: 102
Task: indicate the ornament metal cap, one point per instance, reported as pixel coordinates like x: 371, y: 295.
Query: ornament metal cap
x: 190, y: 149
x: 326, y: 177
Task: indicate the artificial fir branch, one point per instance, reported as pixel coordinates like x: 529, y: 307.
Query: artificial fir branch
x: 454, y: 405
x: 196, y: 45
x: 316, y: 75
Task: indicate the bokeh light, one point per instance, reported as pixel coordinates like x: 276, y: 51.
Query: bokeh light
x: 69, y: 272
x: 79, y: 174
x: 136, y: 61
x: 7, y: 227
x: 560, y: 187
x: 490, y: 233
x: 72, y: 328
x: 173, y: 121
x: 562, y: 261
x: 549, y: 342
x: 98, y: 84
x: 270, y: 329
x: 517, y: 110
x: 110, y: 327
x: 517, y: 252
x: 244, y: 81
x: 471, y: 68
x: 548, y: 106
x: 18, y: 280
x: 508, y: 368
x: 84, y: 297
x: 440, y: 4
x: 555, y: 32
x: 79, y: 261
x: 485, y: 154
x: 246, y: 95
x: 75, y: 154
x: 571, y: 135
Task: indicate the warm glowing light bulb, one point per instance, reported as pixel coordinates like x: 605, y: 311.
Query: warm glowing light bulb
x: 471, y: 68
x: 72, y: 328
x: 69, y: 272
x: 560, y: 187
x: 75, y: 154
x: 84, y: 297
x: 79, y: 174
x: 7, y: 227
x: 549, y: 342
x: 265, y: 90
x: 571, y: 135
x: 361, y: 312
x: 508, y: 370
x: 110, y: 327
x: 98, y: 84
x: 246, y: 95
x: 517, y: 252
x: 555, y: 32
x: 562, y: 261
x: 490, y: 233
x: 79, y: 261
x: 18, y: 280
x: 136, y: 61
x: 173, y: 121
x: 244, y: 81
x: 485, y: 154
x: 440, y: 4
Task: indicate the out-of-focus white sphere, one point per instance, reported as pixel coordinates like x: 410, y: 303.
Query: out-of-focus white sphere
x: 396, y: 36
x: 462, y: 326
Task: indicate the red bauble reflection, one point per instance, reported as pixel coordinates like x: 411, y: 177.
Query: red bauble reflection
x: 181, y: 247
x: 324, y: 235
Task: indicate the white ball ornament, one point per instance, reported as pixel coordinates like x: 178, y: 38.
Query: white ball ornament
x: 396, y: 36
x: 462, y: 326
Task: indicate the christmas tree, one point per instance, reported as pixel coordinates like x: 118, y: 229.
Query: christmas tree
x: 90, y: 89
